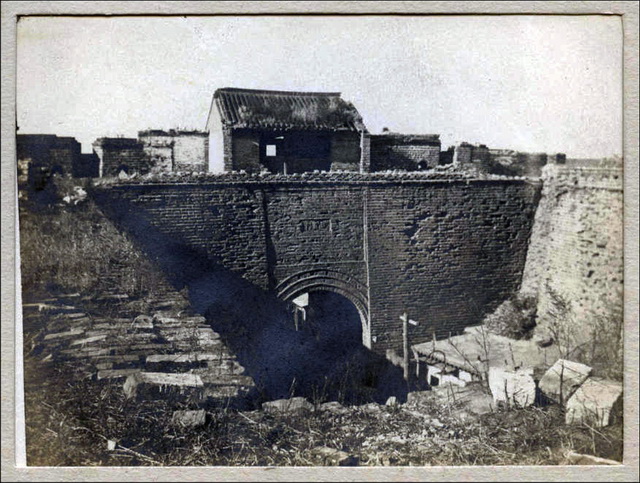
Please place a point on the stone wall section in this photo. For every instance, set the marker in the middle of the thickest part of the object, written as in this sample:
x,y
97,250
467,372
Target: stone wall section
x,y
577,245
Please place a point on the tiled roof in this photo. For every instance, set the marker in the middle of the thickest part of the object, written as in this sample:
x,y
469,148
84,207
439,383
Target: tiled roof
x,y
283,110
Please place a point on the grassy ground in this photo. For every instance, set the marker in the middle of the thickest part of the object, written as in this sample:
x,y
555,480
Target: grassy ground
x,y
71,423
70,420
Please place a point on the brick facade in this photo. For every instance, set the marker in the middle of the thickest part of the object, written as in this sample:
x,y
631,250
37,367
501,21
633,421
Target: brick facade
x,y
445,250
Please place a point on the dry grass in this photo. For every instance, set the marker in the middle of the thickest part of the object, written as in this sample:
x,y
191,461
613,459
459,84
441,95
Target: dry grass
x,y
70,419
75,248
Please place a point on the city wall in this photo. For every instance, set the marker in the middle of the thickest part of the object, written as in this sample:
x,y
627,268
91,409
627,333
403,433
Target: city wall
x,y
446,249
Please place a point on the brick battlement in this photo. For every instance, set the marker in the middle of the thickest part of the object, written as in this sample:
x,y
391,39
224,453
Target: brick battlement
x,y
582,177
333,177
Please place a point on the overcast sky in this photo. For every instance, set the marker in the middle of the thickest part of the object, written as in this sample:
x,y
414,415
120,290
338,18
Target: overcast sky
x,y
551,84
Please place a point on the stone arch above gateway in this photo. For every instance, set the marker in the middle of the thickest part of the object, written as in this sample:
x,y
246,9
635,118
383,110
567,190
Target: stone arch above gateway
x,y
314,280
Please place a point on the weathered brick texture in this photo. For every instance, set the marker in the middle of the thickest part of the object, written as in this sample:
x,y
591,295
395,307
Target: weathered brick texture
x,y
577,246
445,250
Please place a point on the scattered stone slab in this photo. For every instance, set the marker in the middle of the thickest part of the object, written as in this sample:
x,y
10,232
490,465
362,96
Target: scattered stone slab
x,y
332,457
513,388
111,297
119,359
586,459
333,407
104,366
143,347
185,358
61,335
80,353
419,398
294,404
77,315
392,401
562,379
116,373
89,340
228,380
142,322
166,318
597,402
144,381
223,392
189,419
225,366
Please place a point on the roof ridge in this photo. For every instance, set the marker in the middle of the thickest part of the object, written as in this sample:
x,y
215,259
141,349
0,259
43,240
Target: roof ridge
x,y
270,92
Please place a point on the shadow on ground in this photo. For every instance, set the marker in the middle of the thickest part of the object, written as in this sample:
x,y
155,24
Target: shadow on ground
x,y
323,361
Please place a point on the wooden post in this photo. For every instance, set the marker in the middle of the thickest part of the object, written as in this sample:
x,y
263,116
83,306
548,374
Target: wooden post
x,y
405,345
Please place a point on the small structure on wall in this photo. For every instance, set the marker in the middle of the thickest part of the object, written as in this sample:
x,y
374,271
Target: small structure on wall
x,y
411,152
155,151
176,150
120,155
42,155
285,132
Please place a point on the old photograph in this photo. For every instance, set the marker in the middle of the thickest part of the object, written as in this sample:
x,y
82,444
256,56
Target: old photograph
x,y
310,241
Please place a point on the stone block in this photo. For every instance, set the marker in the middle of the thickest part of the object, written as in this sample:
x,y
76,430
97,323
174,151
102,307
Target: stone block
x,y
189,419
333,407
161,382
116,373
142,322
562,379
574,458
89,340
61,335
514,388
597,402
295,404
419,398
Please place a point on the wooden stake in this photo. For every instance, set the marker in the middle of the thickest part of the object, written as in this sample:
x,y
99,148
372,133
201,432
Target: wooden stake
x,y
405,344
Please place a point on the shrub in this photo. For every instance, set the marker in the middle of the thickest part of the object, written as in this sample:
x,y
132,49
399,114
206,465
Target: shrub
x,y
514,318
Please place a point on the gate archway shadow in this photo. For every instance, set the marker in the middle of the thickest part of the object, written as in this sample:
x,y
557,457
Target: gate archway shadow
x,y
258,327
